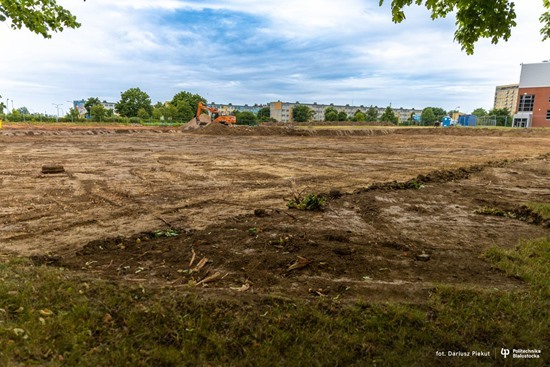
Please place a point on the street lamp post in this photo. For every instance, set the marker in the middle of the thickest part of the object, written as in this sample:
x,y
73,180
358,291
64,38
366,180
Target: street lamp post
x,y
57,107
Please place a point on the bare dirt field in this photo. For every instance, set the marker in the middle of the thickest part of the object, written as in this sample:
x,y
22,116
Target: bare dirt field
x,y
223,192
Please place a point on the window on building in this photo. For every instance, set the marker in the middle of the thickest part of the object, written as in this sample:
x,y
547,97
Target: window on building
x,y
526,103
548,115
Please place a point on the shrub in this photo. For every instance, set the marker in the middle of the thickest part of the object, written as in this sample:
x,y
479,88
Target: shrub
x,y
309,202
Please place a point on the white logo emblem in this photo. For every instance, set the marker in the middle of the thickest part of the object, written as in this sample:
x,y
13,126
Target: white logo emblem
x,y
505,352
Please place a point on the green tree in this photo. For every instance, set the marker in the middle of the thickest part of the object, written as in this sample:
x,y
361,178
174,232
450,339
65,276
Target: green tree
x,y
143,114
474,19
264,114
503,116
246,118
23,111
73,114
15,115
92,101
302,113
372,114
171,112
183,111
187,104
479,112
39,16
331,114
157,113
98,112
359,116
342,116
131,101
439,113
428,116
2,106
389,116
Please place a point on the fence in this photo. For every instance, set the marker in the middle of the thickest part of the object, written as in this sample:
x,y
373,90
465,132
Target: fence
x,y
494,121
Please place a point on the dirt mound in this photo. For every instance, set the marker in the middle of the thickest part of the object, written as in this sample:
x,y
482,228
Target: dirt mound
x,y
219,129
472,131
287,130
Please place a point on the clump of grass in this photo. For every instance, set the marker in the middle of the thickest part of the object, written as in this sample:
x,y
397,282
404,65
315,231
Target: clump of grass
x,y
166,233
529,261
308,202
540,208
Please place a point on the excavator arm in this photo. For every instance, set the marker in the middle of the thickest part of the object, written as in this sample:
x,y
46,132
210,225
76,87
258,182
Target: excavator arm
x,y
213,116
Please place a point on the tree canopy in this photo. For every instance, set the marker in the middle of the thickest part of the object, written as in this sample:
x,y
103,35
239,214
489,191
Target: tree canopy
x,y
131,101
92,101
428,116
39,16
187,104
389,116
438,112
98,112
2,106
359,116
246,118
479,112
264,114
331,114
372,114
302,113
474,19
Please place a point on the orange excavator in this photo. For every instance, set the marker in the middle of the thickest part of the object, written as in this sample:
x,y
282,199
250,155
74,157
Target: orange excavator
x,y
213,116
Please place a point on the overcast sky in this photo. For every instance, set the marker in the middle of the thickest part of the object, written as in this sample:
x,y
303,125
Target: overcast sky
x,y
246,51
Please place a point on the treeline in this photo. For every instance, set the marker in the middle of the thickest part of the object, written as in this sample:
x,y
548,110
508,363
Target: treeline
x,y
134,107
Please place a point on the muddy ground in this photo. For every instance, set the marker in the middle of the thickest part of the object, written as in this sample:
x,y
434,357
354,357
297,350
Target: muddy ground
x,y
207,210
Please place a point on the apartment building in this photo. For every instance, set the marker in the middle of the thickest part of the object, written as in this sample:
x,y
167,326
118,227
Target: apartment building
x,y
282,111
506,96
228,109
533,107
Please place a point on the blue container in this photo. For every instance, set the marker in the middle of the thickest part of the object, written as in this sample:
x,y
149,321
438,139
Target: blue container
x,y
446,121
467,120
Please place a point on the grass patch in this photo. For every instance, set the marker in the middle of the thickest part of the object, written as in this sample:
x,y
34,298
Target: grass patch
x,y
541,209
307,202
166,233
52,317
534,213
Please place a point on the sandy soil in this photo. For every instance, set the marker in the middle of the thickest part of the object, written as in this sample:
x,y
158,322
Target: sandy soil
x,y
224,190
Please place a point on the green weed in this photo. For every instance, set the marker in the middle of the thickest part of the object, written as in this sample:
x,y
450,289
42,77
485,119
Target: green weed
x,y
540,208
166,233
308,202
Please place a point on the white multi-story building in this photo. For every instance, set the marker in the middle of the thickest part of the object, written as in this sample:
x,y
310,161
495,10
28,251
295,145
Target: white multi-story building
x,y
227,109
282,111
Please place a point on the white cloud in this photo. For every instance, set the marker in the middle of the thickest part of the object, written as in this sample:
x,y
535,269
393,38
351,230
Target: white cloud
x,y
324,51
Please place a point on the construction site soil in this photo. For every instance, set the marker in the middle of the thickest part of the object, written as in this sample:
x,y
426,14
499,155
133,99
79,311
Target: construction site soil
x,y
205,211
